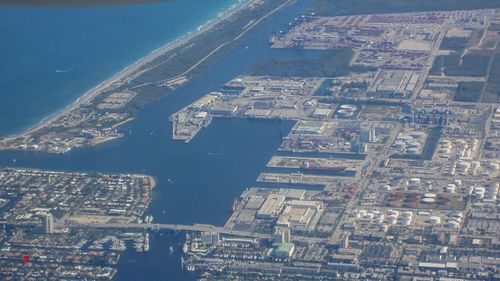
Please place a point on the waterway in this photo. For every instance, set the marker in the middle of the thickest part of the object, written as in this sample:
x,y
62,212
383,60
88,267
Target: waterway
x,y
51,56
196,182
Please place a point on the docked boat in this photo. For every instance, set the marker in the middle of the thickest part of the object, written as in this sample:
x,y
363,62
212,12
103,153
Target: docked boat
x,y
306,166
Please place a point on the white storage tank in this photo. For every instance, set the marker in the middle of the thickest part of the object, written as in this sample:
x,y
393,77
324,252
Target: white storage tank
x,y
445,143
428,200
399,144
446,151
392,220
418,134
414,144
405,137
463,165
480,189
394,213
433,220
406,214
413,150
430,195
345,113
406,222
478,194
415,180
348,107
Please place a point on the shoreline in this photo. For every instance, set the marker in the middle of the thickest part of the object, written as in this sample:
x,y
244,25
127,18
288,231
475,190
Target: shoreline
x,y
121,76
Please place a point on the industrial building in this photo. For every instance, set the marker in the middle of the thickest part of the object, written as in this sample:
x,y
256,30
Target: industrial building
x,y
272,207
48,224
299,215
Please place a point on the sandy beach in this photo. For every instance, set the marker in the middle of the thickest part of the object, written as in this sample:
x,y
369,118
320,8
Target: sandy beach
x,y
130,70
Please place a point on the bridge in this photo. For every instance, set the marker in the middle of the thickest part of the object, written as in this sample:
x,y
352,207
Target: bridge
x,y
193,228
175,227
182,227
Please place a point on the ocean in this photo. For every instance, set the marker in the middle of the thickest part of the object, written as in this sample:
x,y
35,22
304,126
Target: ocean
x,y
196,182
51,56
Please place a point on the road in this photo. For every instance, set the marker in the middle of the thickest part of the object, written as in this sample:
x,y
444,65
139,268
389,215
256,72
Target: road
x,y
177,227
246,29
192,228
373,161
427,68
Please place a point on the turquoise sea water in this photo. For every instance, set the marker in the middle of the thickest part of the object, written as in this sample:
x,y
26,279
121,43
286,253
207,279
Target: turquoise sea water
x,y
51,56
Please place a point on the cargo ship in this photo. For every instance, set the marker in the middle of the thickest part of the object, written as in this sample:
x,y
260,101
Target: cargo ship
x,y
308,166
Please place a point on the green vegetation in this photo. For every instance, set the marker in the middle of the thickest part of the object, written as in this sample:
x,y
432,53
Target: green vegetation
x,y
334,7
473,64
148,94
469,91
180,59
494,26
330,64
356,85
488,44
454,44
492,91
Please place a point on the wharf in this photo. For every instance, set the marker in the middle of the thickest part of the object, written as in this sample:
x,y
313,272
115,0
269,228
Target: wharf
x,y
312,164
297,178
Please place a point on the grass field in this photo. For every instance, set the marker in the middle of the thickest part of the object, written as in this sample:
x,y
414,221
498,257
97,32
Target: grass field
x,y
330,63
335,7
474,64
183,57
492,90
469,91
454,44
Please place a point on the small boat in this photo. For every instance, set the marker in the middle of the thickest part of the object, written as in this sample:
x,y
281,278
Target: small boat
x,y
146,242
171,250
236,205
215,153
65,70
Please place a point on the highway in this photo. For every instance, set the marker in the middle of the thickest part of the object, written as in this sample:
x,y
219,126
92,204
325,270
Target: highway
x,y
245,30
427,68
178,227
373,161
193,228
